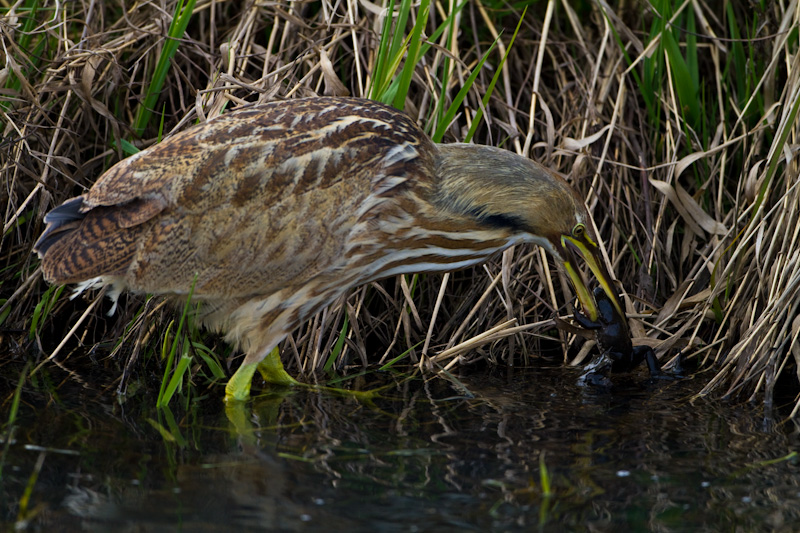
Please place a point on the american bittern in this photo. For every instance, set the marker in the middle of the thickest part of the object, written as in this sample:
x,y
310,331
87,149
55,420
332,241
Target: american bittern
x,y
273,211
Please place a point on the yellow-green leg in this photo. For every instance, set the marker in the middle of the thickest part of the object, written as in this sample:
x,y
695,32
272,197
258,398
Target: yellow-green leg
x,y
271,369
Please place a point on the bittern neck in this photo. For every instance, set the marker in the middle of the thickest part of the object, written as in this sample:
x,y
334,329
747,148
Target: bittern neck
x,y
474,201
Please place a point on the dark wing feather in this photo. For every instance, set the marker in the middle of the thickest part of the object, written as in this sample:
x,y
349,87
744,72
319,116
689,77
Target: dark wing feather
x,y
60,220
98,244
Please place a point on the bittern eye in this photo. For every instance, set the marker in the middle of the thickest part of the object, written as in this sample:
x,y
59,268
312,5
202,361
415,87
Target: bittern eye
x,y
578,230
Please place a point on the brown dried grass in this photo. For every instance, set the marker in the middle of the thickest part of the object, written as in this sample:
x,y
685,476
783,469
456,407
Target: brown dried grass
x,y
704,236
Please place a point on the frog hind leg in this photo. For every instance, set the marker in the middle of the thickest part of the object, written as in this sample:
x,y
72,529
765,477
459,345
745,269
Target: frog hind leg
x,y
647,354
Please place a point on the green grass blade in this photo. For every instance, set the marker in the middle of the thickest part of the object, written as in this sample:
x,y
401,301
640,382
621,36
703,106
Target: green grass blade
x,y
164,432
12,412
777,154
739,58
392,362
544,478
8,428
399,29
412,56
453,109
382,55
682,79
390,54
692,61
384,86
128,148
177,28
210,359
172,426
479,115
337,348
43,308
173,347
26,33
175,380
168,353
389,88
647,91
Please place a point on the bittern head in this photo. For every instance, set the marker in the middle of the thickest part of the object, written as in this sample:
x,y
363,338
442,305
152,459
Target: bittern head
x,y
506,191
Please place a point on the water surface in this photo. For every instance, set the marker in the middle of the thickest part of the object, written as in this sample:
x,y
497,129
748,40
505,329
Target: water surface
x,y
428,455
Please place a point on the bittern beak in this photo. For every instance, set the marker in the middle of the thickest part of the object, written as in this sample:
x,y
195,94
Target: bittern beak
x,y
590,253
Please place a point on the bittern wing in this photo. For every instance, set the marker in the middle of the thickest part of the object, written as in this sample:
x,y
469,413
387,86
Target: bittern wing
x,y
249,202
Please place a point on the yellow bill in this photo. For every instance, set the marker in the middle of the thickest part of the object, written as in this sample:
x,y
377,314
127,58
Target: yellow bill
x,y
590,253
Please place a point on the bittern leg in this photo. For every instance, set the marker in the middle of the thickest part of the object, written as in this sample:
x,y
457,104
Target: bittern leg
x,y
270,368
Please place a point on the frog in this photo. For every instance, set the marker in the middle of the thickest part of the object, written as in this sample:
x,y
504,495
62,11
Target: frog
x,y
613,338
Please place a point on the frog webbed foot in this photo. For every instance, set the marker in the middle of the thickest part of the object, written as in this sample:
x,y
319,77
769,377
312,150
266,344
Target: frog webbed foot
x,y
649,356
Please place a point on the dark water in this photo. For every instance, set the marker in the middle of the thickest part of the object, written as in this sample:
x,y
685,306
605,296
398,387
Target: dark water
x,y
424,457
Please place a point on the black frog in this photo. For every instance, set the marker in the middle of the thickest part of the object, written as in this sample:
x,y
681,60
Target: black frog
x,y
613,337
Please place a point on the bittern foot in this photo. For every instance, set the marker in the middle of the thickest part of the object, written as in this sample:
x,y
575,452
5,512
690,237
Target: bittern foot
x,y
271,369
238,387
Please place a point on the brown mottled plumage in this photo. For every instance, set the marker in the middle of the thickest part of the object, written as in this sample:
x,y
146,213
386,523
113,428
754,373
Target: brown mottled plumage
x,y
278,209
